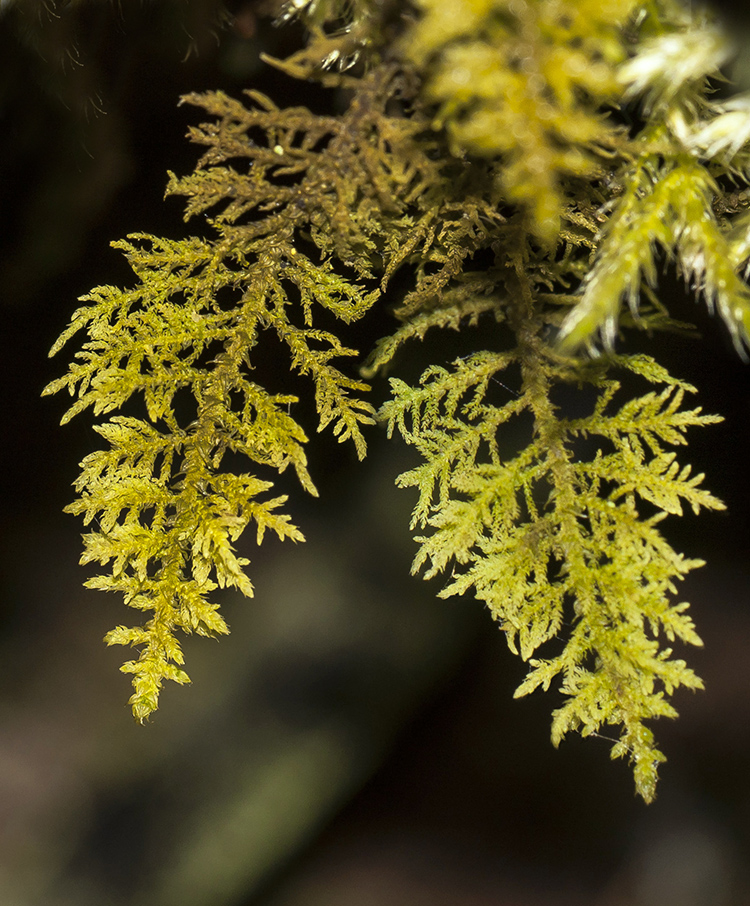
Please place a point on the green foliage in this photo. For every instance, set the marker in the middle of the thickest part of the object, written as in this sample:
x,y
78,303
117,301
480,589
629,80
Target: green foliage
x,y
552,536
527,81
669,188
486,150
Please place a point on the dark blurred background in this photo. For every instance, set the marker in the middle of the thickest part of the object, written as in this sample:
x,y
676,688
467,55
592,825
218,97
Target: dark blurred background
x,y
355,740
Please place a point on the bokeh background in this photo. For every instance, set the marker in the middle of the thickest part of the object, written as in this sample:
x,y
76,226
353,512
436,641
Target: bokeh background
x,y
354,742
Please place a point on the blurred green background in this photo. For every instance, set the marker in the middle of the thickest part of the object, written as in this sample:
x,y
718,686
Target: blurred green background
x,y
354,741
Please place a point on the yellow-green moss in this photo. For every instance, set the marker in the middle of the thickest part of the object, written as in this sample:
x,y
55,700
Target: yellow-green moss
x,y
521,162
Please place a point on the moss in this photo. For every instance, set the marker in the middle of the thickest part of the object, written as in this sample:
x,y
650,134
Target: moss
x,y
521,163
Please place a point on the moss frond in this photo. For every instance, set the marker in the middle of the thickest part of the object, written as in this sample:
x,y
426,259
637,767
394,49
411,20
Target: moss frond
x,y
525,83
168,510
559,544
670,173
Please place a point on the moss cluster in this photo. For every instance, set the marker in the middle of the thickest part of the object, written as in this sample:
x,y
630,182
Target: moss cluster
x,y
522,162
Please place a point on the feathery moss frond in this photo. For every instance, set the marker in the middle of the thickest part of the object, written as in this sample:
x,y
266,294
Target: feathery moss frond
x,y
668,206
168,511
551,536
526,82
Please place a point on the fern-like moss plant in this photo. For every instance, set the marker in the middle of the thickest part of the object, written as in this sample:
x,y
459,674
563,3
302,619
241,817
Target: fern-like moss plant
x,y
525,164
